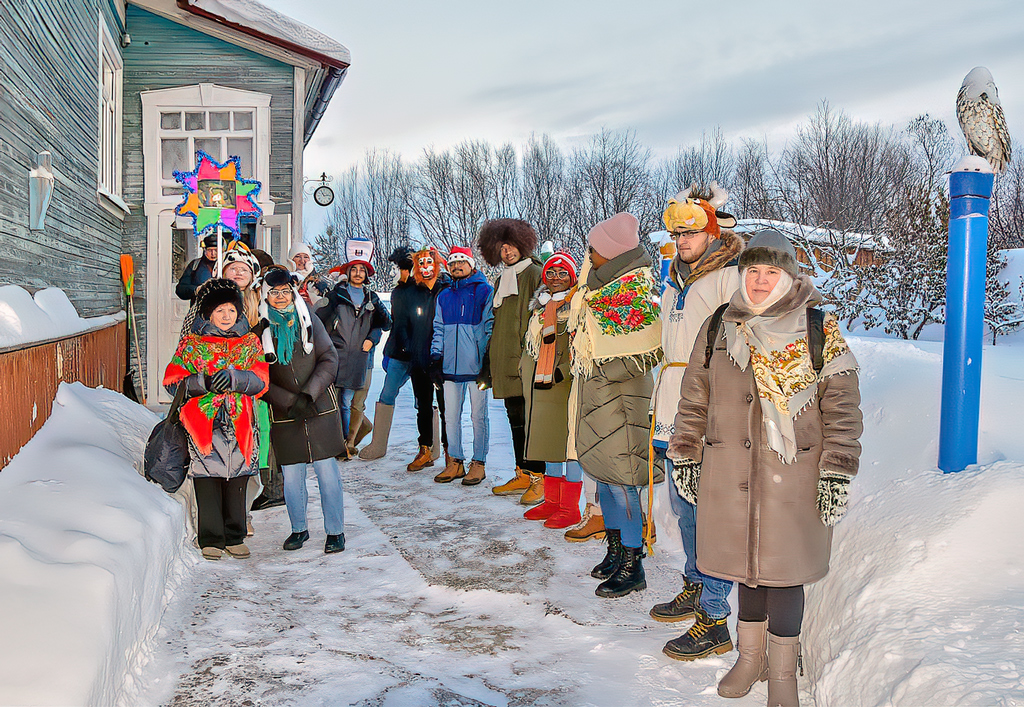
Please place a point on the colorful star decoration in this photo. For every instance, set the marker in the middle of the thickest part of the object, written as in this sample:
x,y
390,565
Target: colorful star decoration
x,y
215,195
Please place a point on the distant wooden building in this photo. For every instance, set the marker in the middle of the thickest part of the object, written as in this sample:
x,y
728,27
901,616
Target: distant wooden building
x,y
121,94
819,245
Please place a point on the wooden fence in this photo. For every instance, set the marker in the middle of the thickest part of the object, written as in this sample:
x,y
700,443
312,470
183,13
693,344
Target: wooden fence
x,y
29,377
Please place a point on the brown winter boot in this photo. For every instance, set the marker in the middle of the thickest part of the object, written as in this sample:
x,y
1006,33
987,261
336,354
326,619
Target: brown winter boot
x,y
365,428
535,493
752,665
453,471
516,485
590,527
378,445
476,474
783,656
422,460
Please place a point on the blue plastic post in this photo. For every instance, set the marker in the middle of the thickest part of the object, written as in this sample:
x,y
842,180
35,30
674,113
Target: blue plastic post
x,y
969,194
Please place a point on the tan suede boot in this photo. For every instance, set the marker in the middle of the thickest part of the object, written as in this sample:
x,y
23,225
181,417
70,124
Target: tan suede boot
x,y
422,460
475,475
535,493
516,485
783,655
378,445
453,471
590,527
752,665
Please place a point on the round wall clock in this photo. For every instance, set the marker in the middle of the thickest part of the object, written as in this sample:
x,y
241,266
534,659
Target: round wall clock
x,y
323,195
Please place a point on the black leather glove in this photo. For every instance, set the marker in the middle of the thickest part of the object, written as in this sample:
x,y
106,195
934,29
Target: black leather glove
x,y
558,376
219,382
303,407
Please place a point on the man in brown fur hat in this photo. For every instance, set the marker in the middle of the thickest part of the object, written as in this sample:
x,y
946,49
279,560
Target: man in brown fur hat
x,y
511,242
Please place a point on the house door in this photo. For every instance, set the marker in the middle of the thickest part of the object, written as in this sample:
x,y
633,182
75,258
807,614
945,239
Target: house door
x,y
274,235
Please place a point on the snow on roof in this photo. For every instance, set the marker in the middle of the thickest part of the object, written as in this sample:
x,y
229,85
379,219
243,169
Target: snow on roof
x,y
270,23
823,236
25,319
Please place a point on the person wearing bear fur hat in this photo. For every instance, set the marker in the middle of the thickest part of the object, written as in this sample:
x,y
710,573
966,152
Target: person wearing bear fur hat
x,y
511,242
614,315
702,276
221,364
306,421
766,443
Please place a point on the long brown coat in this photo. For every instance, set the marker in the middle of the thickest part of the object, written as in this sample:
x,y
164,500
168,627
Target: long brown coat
x,y
547,410
757,519
510,322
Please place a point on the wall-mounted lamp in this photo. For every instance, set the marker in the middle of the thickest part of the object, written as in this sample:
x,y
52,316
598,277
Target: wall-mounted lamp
x,y
40,190
126,40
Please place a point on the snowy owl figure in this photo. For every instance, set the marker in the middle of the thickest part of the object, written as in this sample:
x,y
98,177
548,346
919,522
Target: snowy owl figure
x,y
981,118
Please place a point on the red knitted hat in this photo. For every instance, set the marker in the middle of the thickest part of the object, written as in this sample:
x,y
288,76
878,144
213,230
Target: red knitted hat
x,y
461,252
559,259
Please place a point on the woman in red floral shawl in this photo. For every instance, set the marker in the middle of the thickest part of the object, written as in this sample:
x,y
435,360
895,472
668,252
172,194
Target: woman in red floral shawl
x,y
221,363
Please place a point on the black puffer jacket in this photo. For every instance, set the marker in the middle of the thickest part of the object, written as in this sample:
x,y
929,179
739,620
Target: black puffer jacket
x,y
349,327
413,329
318,436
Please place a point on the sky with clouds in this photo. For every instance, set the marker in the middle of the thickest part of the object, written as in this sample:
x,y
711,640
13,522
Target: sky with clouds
x,y
436,73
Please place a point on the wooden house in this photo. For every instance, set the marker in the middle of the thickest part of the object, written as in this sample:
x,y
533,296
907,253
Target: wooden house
x,y
122,93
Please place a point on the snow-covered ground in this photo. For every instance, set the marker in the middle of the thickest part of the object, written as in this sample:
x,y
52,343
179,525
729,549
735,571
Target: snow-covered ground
x,y
447,596
25,318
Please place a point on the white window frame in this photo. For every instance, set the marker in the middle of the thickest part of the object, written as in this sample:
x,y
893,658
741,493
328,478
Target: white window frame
x,y
111,121
206,98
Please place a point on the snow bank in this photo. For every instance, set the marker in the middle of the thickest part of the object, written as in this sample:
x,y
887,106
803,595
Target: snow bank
x,y
924,603
25,319
90,551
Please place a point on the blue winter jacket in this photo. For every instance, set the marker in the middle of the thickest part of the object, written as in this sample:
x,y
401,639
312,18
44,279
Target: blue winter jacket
x,y
463,321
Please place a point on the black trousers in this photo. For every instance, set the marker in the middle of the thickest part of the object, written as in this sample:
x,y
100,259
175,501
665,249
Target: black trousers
x,y
782,606
425,393
221,505
515,408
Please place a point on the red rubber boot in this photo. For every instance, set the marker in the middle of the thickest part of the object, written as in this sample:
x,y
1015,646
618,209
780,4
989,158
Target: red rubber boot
x,y
552,490
568,512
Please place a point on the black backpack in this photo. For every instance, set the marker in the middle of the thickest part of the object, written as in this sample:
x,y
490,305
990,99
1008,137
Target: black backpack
x,y
815,336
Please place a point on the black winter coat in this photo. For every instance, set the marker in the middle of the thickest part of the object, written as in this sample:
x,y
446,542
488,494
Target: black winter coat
x,y
412,309
319,436
196,273
349,328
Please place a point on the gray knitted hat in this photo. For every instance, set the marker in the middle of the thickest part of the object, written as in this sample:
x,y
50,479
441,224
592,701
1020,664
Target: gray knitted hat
x,y
769,247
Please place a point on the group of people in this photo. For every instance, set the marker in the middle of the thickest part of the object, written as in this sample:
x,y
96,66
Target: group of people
x,y
723,378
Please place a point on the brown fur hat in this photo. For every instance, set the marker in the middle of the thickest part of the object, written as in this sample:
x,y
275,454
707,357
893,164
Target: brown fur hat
x,y
496,232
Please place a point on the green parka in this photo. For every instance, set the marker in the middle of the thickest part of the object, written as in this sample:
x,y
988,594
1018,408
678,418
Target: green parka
x,y
511,317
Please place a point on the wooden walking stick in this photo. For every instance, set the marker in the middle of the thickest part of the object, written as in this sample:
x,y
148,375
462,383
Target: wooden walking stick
x,y
128,279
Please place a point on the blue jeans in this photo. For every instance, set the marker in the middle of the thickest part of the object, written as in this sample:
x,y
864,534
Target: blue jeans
x,y
714,598
345,396
573,470
621,508
332,496
397,376
454,397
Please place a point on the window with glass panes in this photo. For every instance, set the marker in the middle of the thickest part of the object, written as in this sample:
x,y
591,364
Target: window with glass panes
x,y
220,133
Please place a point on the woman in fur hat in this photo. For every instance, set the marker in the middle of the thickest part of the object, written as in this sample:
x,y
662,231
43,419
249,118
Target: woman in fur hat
x,y
765,444
511,242
306,421
221,363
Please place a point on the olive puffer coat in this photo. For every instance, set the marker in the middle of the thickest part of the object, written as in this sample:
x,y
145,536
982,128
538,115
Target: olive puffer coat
x,y
547,409
757,518
614,425
349,326
511,318
319,436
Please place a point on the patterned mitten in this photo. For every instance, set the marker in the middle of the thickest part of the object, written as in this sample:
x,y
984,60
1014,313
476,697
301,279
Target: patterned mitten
x,y
686,477
833,492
